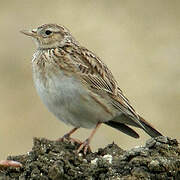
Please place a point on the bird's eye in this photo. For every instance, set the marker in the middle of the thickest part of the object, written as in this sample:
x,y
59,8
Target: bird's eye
x,y
48,32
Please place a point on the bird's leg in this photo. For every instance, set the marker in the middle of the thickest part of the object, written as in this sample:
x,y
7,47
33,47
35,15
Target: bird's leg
x,y
85,144
67,137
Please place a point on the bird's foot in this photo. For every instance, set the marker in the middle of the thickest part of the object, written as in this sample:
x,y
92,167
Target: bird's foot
x,y
85,147
66,138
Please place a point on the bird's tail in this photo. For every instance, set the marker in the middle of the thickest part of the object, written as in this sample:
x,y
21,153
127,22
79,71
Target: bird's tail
x,y
149,128
123,128
123,122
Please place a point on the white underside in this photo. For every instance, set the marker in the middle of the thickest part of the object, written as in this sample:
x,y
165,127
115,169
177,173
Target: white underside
x,y
69,101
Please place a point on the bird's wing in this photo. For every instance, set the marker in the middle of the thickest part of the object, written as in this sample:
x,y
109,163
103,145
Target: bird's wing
x,y
97,75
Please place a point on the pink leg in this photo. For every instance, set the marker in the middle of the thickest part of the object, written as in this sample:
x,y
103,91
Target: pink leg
x,y
67,136
86,143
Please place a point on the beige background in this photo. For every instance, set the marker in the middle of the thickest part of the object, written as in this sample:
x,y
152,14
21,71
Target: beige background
x,y
138,39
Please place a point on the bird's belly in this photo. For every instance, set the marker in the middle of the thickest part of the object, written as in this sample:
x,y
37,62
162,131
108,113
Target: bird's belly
x,y
70,102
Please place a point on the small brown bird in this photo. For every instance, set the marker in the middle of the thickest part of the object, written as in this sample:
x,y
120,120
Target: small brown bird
x,y
77,87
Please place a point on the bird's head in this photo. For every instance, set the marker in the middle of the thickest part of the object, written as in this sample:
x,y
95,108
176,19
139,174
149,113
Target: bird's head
x,y
50,36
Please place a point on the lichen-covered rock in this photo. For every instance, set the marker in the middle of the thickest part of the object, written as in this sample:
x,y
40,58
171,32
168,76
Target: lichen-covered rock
x,y
53,160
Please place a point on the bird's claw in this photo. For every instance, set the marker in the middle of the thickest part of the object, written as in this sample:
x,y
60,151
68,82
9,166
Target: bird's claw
x,y
85,147
67,138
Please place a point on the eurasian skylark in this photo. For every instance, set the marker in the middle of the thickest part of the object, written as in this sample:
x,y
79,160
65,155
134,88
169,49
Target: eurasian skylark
x,y
77,87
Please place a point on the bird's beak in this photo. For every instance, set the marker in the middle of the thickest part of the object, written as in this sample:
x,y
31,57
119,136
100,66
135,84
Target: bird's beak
x,y
32,33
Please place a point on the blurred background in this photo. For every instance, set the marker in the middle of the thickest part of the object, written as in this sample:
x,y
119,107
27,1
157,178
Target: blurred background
x,y
139,41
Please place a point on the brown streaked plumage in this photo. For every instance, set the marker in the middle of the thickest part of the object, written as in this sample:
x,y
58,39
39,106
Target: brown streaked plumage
x,y
77,87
